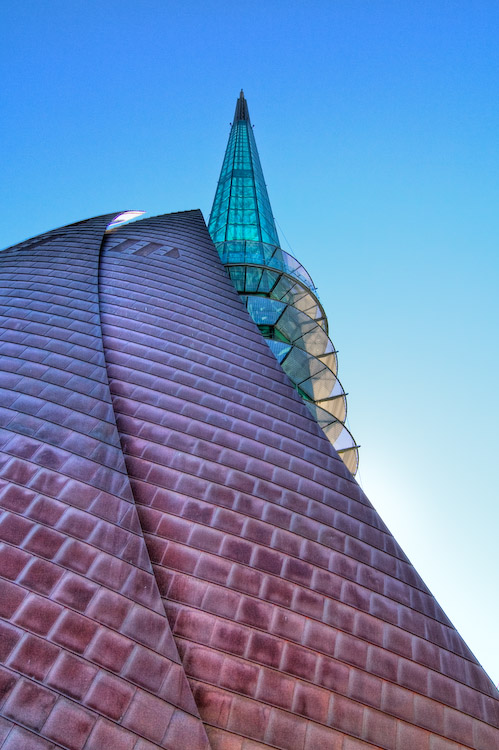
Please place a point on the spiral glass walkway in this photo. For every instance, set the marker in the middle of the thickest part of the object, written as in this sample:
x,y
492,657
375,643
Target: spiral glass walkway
x,y
276,289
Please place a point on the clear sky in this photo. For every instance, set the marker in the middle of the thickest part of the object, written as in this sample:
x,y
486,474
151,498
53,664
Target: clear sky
x,y
377,125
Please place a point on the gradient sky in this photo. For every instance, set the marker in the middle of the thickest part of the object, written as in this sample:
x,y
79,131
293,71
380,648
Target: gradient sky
x,y
376,122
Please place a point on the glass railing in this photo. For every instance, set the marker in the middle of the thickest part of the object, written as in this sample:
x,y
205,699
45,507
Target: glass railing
x,y
281,298
249,252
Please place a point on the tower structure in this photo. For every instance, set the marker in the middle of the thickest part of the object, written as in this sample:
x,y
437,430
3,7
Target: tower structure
x,y
185,560
275,288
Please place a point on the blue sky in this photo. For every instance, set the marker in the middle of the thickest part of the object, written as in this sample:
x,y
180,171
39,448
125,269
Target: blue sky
x,y
377,127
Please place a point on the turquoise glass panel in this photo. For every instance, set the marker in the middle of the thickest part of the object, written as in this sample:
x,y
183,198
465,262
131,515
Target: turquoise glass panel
x,y
263,310
278,348
237,275
267,281
253,276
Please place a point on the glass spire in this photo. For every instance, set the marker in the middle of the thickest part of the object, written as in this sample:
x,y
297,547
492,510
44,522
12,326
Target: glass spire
x,y
277,291
241,209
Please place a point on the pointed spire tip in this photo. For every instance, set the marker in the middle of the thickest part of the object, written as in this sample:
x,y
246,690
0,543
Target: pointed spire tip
x,y
242,112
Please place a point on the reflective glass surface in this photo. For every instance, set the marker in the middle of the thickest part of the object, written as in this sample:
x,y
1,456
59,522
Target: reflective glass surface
x,y
263,254
276,289
241,209
291,325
